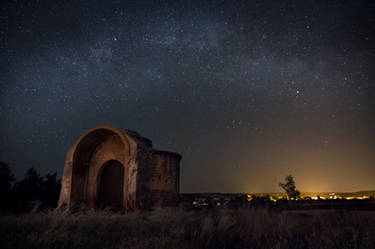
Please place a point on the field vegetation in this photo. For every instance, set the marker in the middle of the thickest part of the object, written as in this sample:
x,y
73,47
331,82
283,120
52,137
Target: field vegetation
x,y
179,228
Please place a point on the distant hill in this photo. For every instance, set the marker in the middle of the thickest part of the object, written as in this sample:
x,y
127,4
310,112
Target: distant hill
x,y
359,193
342,194
280,194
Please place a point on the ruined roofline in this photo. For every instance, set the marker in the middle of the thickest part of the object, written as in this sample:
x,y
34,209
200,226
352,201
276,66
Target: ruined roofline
x,y
166,153
135,135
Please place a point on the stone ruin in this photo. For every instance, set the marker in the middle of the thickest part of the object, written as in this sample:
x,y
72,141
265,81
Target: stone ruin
x,y
118,169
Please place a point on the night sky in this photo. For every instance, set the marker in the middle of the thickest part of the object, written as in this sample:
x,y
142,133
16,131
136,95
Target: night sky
x,y
246,91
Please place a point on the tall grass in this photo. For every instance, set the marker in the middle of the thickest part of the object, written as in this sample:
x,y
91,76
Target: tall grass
x,y
176,228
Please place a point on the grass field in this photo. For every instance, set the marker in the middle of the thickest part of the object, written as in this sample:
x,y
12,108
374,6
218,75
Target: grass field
x,y
176,228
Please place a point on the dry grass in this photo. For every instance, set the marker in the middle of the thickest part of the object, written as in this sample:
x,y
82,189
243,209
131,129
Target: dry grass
x,y
175,228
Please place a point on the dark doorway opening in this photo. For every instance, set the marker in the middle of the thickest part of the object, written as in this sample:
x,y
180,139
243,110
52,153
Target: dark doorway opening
x,y
111,186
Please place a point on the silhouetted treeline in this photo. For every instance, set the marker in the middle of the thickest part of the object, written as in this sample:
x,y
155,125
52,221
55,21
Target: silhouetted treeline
x,y
32,192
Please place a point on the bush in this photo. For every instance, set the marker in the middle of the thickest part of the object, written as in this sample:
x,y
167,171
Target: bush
x,y
27,194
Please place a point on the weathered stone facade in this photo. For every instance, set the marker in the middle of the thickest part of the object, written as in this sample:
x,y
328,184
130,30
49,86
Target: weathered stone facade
x,y
108,167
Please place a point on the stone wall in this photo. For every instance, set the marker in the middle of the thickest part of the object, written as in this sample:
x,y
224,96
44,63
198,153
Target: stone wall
x,y
163,178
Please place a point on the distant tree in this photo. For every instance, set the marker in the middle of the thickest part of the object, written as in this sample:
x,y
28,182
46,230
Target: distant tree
x,y
29,189
33,190
260,201
50,190
239,200
6,177
6,184
210,202
290,188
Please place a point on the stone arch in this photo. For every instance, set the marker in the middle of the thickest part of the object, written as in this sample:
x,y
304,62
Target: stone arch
x,y
85,159
110,185
88,157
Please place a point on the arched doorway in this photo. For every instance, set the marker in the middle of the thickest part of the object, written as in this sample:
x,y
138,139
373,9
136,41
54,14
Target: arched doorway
x,y
111,185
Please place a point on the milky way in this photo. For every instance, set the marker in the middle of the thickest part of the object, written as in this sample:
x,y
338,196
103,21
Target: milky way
x,y
245,91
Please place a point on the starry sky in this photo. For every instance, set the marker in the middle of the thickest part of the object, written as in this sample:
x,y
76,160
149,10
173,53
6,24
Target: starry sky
x,y
246,91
